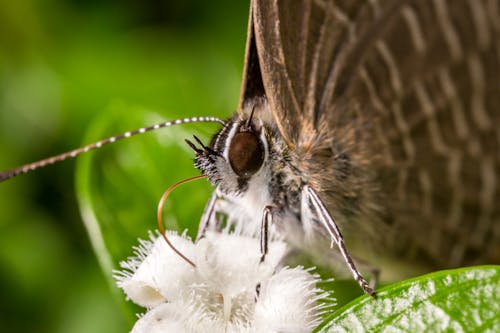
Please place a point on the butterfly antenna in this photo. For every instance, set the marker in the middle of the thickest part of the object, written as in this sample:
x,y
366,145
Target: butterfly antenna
x,y
249,121
159,215
73,153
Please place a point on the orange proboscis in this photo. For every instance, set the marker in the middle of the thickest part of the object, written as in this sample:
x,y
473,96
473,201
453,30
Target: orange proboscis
x,y
160,215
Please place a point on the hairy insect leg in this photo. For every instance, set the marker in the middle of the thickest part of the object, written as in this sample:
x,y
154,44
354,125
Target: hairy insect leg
x,y
208,217
372,270
324,217
352,267
267,218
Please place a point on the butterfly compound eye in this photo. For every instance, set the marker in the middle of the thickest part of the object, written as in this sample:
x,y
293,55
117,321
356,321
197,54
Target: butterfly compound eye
x,y
246,154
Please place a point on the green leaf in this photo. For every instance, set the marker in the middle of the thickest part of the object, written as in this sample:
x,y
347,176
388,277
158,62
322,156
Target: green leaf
x,y
460,300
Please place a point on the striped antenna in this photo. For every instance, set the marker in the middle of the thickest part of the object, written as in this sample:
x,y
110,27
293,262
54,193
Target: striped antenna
x,y
73,153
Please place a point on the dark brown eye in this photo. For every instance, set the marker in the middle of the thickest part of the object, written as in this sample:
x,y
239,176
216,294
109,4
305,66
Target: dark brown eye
x,y
246,154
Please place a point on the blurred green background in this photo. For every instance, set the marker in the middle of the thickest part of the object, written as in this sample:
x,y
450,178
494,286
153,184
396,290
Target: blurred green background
x,y
75,71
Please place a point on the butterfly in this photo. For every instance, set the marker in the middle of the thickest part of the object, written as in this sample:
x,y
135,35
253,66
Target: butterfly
x,y
370,124
379,119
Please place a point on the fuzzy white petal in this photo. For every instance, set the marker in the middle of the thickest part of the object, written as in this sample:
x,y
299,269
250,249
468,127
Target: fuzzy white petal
x,y
174,317
231,263
220,293
289,302
162,272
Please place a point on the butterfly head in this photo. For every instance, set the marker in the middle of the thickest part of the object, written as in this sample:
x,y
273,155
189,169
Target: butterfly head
x,y
236,154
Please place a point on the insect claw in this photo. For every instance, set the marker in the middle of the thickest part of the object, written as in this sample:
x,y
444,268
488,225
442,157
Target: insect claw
x,y
370,291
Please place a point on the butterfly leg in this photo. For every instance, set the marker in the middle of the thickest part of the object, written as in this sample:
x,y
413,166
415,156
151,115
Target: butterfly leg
x,y
324,217
208,217
267,218
372,270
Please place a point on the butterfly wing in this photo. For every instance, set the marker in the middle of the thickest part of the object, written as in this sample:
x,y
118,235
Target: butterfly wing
x,y
431,77
393,110
292,46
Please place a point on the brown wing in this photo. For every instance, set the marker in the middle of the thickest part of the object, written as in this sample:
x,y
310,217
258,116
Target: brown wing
x,y
394,109
295,42
431,76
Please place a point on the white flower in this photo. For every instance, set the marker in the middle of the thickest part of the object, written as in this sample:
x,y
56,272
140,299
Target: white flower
x,y
229,290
